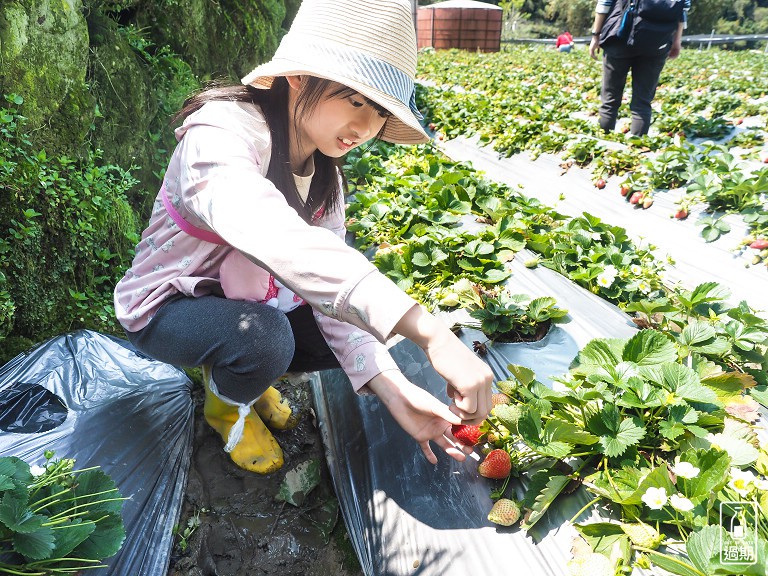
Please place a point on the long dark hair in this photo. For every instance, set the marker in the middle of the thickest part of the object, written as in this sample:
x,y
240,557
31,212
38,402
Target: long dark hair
x,y
329,186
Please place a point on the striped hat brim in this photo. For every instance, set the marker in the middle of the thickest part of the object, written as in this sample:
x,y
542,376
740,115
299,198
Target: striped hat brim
x,y
403,127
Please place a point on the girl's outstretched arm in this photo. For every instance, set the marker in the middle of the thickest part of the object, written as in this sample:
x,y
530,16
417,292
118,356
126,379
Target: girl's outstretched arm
x,y
468,378
417,412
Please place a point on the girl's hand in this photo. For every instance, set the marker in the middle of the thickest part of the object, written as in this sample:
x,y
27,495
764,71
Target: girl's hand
x,y
420,414
468,379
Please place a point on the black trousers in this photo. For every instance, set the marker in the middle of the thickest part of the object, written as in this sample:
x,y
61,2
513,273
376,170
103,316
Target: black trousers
x,y
249,345
618,60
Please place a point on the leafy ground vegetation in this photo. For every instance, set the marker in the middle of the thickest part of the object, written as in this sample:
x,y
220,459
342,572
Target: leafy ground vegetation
x,y
662,428
708,138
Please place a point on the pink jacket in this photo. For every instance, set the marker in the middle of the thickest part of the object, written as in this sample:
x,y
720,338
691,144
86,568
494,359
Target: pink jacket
x,y
216,180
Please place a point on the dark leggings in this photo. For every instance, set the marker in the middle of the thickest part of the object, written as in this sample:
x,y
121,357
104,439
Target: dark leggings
x,y
646,69
248,344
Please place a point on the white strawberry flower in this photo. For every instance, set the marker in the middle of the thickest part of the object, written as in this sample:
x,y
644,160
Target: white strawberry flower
x,y
607,276
636,269
685,470
36,470
681,503
761,484
741,481
655,498
644,287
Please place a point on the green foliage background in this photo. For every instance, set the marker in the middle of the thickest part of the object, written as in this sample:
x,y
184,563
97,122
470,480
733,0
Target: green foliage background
x,y
87,91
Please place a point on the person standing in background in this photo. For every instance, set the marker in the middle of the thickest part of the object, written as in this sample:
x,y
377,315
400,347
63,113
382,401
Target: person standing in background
x,y
636,35
564,42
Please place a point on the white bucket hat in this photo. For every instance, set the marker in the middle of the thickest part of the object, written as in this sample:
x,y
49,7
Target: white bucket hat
x,y
366,45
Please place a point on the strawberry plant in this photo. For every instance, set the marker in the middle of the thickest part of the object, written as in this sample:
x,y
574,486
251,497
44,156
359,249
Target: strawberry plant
x,y
601,258
647,426
514,317
713,228
55,519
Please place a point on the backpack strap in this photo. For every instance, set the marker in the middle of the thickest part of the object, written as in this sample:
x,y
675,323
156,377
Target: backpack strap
x,y
194,231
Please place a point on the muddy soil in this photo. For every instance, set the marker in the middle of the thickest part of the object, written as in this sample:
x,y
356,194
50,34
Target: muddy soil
x,y
232,525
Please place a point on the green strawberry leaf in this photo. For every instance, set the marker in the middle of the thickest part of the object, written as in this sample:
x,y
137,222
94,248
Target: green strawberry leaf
x,y
70,535
16,469
606,538
105,541
6,482
696,332
729,384
97,493
703,547
16,515
649,348
598,353
713,468
618,485
630,432
522,374
35,545
558,430
760,394
543,497
673,564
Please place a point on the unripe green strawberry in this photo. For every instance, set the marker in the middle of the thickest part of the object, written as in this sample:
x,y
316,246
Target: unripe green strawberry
x,y
499,398
504,512
449,300
590,565
642,535
497,465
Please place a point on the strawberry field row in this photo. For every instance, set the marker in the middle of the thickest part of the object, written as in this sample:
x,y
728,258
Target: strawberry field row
x,y
637,420
708,137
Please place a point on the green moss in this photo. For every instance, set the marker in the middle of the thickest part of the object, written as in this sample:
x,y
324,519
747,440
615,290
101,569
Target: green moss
x,y
90,81
343,544
67,234
219,39
43,51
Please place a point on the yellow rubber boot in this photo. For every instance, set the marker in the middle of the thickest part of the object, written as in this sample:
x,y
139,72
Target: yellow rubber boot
x,y
275,410
249,443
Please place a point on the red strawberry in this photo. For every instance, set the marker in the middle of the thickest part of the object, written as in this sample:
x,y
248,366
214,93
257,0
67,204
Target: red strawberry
x,y
432,125
759,244
600,183
467,434
636,197
681,214
497,465
499,398
504,512
625,189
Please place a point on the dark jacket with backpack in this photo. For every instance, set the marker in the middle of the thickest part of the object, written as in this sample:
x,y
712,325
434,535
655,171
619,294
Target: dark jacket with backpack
x,y
646,26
